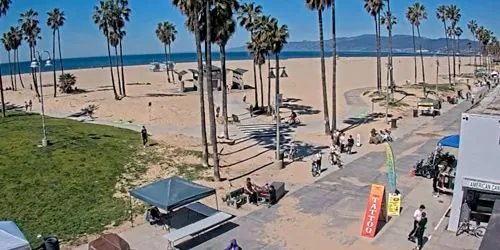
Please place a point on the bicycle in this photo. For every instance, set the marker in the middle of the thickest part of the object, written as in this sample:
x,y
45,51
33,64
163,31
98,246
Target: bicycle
x,y
474,229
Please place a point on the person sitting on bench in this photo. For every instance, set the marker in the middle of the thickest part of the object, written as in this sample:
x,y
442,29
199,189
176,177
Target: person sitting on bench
x,y
153,215
251,191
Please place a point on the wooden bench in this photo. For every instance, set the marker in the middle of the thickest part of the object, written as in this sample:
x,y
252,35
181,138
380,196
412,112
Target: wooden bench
x,y
236,198
196,228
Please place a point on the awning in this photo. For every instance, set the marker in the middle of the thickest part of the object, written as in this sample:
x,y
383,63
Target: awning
x,y
11,237
452,141
171,193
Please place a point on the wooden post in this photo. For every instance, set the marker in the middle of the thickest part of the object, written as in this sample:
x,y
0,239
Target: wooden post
x,y
216,200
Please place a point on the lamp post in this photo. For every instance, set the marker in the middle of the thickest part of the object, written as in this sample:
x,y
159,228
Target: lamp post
x,y
277,104
389,85
36,62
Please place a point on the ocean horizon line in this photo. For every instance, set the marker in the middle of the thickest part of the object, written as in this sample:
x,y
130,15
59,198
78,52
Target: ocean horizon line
x,y
186,57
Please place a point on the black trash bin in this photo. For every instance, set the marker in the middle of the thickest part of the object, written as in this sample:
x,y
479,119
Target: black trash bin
x,y
51,243
415,113
394,123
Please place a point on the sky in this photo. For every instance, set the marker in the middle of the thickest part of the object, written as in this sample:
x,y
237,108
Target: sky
x,y
81,37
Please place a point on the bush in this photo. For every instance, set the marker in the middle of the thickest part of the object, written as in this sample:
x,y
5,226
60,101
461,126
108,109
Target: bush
x,y
66,82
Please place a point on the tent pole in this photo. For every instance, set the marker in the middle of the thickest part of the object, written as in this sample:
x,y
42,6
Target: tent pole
x,y
130,211
216,201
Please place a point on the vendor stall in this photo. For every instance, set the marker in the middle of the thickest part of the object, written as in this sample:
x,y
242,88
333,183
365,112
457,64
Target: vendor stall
x,y
447,171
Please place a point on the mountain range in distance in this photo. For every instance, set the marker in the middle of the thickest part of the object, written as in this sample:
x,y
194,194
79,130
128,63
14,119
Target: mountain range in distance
x,y
367,43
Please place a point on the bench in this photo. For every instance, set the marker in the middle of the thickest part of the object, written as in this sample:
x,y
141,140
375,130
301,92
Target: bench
x,y
236,198
196,228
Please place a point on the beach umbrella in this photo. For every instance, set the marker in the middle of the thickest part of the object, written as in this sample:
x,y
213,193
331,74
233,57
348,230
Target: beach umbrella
x,y
109,241
11,237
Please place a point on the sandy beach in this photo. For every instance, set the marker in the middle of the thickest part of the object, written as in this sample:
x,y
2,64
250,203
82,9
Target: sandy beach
x,y
172,110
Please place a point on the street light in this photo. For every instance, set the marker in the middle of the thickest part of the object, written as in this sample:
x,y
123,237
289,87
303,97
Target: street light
x,y
36,62
277,104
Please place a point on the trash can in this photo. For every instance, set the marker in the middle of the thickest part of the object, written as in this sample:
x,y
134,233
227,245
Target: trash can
x,y
279,163
51,243
415,113
394,123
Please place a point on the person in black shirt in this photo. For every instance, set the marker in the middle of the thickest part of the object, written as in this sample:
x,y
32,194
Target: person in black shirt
x,y
144,135
419,234
350,144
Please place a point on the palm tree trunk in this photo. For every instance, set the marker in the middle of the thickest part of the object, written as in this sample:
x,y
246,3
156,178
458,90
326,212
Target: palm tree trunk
x,y
447,52
454,55
414,53
224,89
379,63
60,52
475,56
118,73
33,74
14,71
170,59
1,94
199,56
166,59
376,47
210,92
334,69
111,71
10,71
458,54
256,99
19,68
422,60
124,84
54,63
278,119
269,87
261,87
326,117
391,70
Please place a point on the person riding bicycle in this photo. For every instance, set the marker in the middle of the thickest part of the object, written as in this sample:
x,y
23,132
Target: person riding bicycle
x,y
292,118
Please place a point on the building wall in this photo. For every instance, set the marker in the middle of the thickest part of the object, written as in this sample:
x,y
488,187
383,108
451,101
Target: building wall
x,y
478,156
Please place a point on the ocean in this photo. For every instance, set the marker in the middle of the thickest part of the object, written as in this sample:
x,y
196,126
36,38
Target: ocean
x,y
128,60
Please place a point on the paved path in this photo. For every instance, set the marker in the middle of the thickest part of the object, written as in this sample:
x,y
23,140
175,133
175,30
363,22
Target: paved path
x,y
343,200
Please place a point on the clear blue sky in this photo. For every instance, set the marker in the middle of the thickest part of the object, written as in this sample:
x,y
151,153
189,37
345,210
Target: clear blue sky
x,y
80,37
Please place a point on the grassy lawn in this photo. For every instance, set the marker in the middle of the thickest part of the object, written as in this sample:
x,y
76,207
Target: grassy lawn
x,y
66,188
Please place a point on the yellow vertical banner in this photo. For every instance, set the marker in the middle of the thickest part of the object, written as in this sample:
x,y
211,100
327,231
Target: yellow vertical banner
x,y
394,205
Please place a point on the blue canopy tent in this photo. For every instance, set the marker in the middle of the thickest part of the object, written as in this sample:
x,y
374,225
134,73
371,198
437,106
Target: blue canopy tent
x,y
171,193
11,237
452,141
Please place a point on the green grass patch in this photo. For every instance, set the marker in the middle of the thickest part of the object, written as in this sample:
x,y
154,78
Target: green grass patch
x,y
66,188
190,171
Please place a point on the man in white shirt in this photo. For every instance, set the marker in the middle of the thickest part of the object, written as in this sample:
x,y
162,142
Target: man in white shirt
x,y
417,216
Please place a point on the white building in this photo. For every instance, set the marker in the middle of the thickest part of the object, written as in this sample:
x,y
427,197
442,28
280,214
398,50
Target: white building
x,y
477,178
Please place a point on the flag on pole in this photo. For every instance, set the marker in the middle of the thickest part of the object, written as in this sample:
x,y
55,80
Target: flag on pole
x,y
391,168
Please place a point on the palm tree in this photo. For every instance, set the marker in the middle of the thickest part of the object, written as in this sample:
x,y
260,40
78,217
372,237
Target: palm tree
x,y
224,27
7,43
442,16
320,6
261,47
374,7
165,31
192,10
472,26
334,68
55,21
120,15
17,38
418,14
247,15
31,32
114,41
102,17
453,14
410,12
4,6
458,33
389,21
278,37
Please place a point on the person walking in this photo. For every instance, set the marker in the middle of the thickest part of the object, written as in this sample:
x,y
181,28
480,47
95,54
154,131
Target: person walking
x,y
350,144
419,234
417,216
30,104
144,135
233,245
